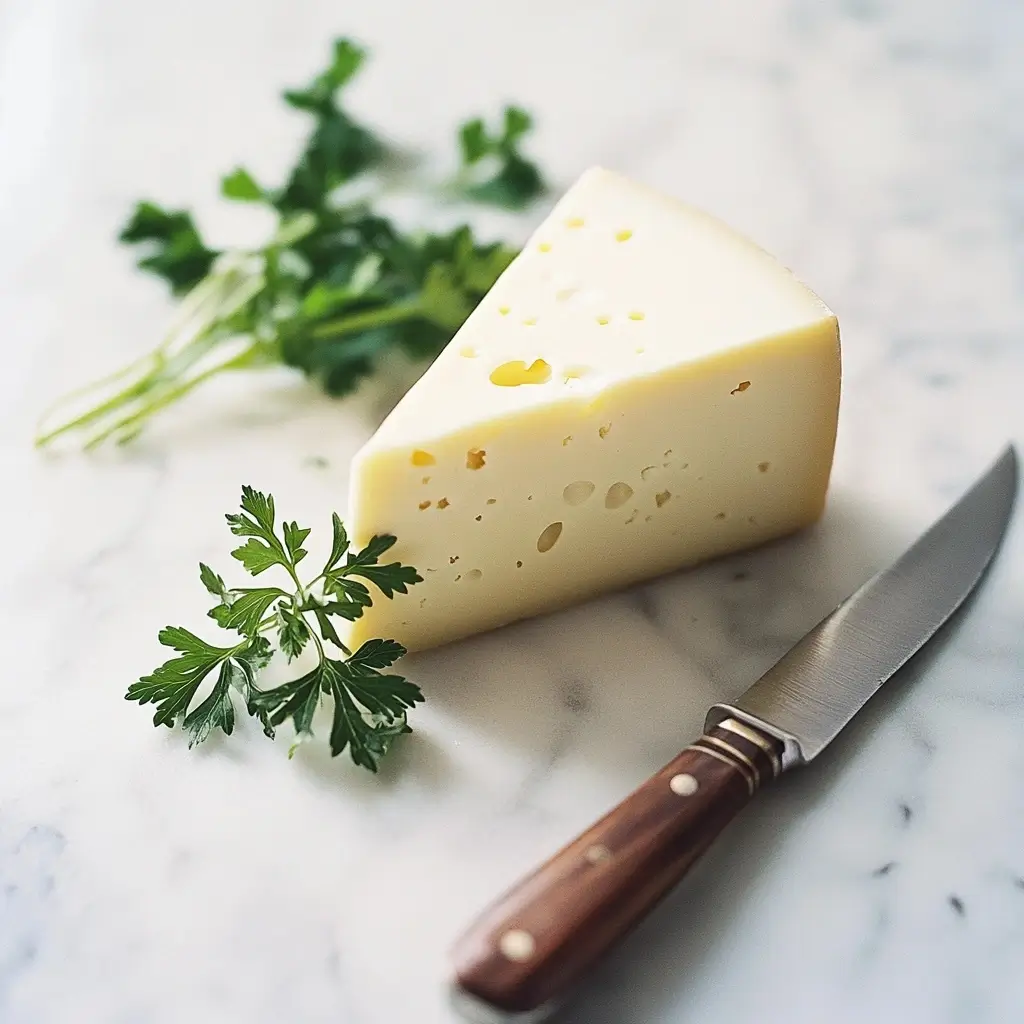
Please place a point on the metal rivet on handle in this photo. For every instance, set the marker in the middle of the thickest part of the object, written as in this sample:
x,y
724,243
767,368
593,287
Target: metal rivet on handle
x,y
683,784
517,945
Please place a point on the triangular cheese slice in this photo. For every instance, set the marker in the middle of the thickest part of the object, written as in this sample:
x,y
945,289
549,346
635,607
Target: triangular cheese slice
x,y
641,390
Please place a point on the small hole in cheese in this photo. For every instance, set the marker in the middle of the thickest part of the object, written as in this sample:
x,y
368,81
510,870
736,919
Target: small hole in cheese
x,y
661,497
425,480
479,518
578,492
492,501
443,503
763,467
566,440
424,505
719,515
519,565
515,372
549,536
618,494
624,235
422,458
646,472
604,431
474,574
742,386
475,458
453,559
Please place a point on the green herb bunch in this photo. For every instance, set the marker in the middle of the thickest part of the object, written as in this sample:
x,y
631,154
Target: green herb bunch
x,y
369,706
336,287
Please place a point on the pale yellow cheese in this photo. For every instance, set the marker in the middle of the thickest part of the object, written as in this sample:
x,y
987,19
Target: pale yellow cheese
x,y
641,390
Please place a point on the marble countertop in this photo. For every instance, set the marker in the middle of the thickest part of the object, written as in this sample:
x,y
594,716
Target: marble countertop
x,y
876,147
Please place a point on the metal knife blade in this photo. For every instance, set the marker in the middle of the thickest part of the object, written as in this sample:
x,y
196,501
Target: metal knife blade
x,y
528,950
807,697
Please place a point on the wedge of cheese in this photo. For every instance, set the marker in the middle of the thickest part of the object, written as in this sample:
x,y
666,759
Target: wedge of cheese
x,y
641,390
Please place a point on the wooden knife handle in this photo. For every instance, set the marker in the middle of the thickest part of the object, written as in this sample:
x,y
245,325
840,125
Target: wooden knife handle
x,y
532,945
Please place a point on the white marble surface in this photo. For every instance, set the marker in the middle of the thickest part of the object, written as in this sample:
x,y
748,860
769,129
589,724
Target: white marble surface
x,y
877,148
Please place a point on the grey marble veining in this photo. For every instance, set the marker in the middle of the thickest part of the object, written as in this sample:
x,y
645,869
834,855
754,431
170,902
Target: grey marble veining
x,y
877,148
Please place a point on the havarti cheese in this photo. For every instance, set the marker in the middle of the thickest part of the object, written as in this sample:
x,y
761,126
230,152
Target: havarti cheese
x,y
641,390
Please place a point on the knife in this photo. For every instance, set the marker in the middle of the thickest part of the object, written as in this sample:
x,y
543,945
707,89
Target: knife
x,y
530,948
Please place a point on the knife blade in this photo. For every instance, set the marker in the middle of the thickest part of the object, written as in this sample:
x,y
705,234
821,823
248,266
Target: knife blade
x,y
532,946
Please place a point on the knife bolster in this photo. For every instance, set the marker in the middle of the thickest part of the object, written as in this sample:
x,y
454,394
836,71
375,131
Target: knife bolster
x,y
786,744
757,755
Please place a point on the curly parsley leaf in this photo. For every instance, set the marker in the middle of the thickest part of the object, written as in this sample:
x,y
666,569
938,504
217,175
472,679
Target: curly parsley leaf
x,y
174,684
296,700
375,654
294,536
241,186
213,583
351,599
339,542
243,610
264,548
320,94
292,631
338,148
384,697
393,578
369,705
327,630
174,247
492,164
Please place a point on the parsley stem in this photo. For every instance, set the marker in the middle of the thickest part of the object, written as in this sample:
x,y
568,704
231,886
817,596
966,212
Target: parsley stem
x,y
149,358
194,333
368,319
123,426
301,595
321,653
136,390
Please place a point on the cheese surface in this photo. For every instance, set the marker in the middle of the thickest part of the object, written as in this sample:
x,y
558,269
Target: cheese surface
x,y
641,390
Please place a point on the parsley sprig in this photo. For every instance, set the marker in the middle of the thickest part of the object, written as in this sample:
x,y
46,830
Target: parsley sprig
x,y
336,287
493,169
369,706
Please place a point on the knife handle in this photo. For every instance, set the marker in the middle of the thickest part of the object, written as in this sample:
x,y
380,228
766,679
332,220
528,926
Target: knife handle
x,y
534,943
